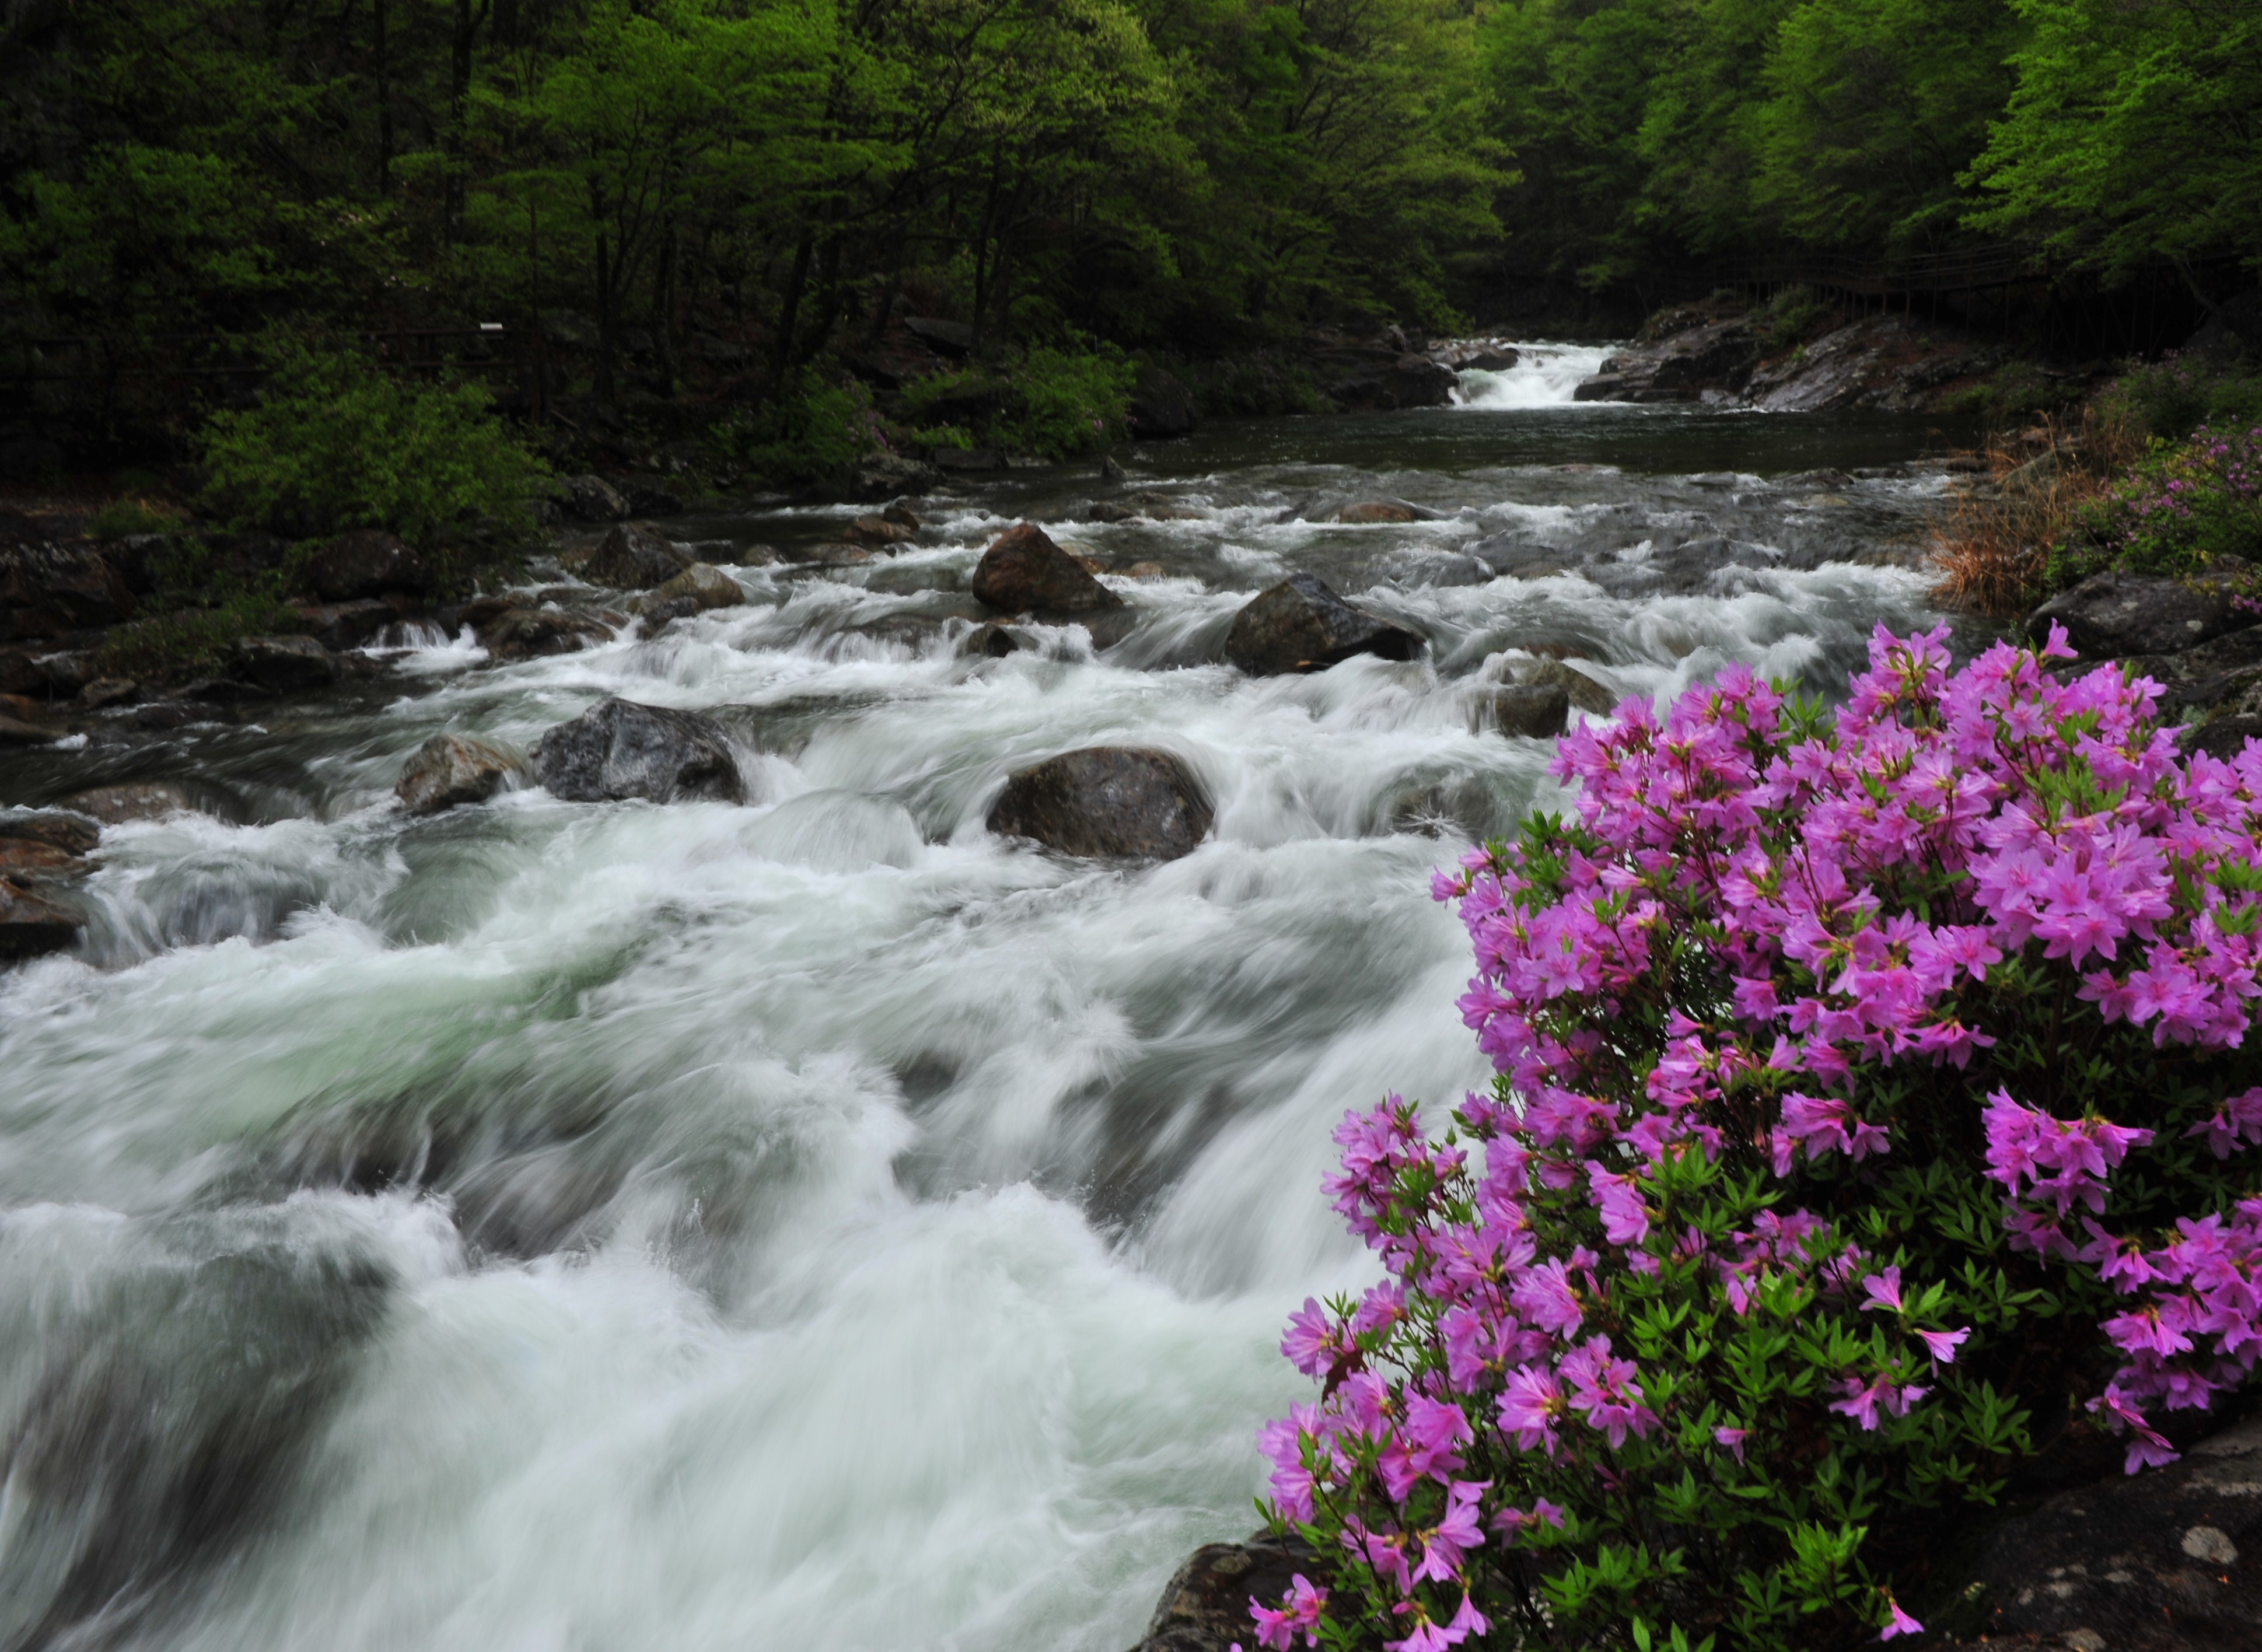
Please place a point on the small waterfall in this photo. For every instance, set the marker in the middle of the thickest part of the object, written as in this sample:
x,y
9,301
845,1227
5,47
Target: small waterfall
x,y
1544,376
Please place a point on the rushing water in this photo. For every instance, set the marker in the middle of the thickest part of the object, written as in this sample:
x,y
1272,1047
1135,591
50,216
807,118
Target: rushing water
x,y
563,1228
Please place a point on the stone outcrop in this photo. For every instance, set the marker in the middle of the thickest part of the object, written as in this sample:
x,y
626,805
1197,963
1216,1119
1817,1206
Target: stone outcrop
x,y
47,590
366,562
1024,572
2169,1560
1679,366
699,587
1301,625
633,557
283,665
449,770
2118,614
1582,691
1205,1606
591,498
1107,801
619,749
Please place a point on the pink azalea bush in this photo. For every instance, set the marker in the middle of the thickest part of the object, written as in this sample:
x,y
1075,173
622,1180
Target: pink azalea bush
x,y
1873,1102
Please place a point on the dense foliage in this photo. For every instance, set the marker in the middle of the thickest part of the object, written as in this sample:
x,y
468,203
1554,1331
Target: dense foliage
x,y
1874,1105
2179,507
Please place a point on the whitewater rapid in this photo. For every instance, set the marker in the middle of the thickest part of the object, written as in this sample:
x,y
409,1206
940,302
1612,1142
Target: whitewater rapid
x,y
558,1227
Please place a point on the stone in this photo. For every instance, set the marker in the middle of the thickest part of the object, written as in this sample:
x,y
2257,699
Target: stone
x,y
1368,511
283,665
877,530
452,769
538,633
15,733
591,498
47,590
945,338
1537,711
1161,407
135,801
619,749
633,557
109,691
31,924
68,831
366,562
2114,614
23,856
2154,1562
1146,570
880,475
1301,625
2222,737
1023,571
1678,366
339,626
647,498
1112,802
1205,1606
901,516
702,586
1584,692
1408,381
828,555
990,641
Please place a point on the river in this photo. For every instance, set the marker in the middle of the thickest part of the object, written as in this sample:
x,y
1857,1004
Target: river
x,y
561,1228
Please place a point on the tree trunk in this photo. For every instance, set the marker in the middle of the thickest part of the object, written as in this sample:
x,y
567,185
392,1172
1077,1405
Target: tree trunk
x,y
605,328
790,313
469,18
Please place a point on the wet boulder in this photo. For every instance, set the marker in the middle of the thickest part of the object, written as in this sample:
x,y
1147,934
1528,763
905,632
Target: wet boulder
x,y
1404,381
697,588
452,769
591,498
2115,614
1537,711
339,626
633,557
1301,625
619,749
990,641
531,633
64,830
1025,572
1161,406
47,590
1373,511
877,530
1678,366
1112,802
1582,691
27,857
31,924
366,562
1205,1606
283,665
881,476
2169,1560
17,731
2223,737
136,799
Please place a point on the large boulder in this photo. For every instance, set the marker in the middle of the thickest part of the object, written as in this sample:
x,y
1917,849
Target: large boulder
x,y
2114,614
46,590
1205,1606
339,626
1582,691
2166,1561
619,749
1537,711
1107,801
1679,366
1400,381
452,769
530,632
591,498
31,924
1024,572
633,557
66,829
283,665
136,799
1301,625
1161,406
366,562
697,588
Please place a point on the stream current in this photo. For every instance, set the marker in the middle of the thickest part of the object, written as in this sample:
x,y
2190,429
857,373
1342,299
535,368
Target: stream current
x,y
557,1227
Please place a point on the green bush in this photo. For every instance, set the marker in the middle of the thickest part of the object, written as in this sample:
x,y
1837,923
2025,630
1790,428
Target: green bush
x,y
2181,506
1788,317
1053,404
811,436
191,641
335,443
2172,397
122,518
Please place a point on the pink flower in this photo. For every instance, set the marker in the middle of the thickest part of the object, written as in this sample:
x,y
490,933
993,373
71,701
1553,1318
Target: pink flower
x,y
1943,1343
1299,1611
1530,1405
1883,1290
1900,1622
1732,1438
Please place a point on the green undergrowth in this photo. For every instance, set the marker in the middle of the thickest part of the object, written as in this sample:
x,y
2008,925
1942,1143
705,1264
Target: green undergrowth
x,y
192,641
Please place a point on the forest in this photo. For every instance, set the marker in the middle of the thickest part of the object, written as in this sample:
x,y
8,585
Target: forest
x,y
744,193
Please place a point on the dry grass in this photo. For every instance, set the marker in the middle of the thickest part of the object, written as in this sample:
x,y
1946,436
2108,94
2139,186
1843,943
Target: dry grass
x,y
1993,544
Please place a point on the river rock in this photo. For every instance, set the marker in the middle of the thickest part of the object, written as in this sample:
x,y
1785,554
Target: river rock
x,y
1582,691
2223,737
2169,1560
1406,380
1367,511
47,590
2114,614
23,856
1205,1606
1301,625
619,749
71,832
880,475
1678,367
1537,711
283,665
14,731
30,924
1107,801
633,557
877,530
452,769
537,633
646,496
1161,406
990,641
591,498
366,562
702,586
132,801
1023,571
